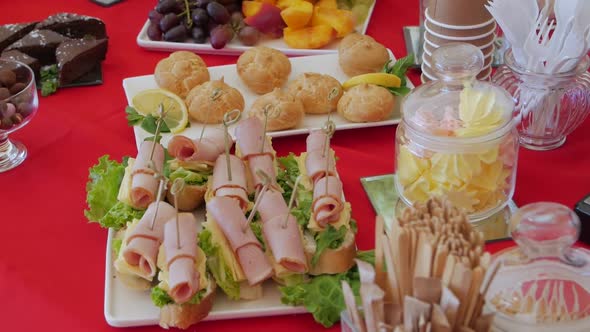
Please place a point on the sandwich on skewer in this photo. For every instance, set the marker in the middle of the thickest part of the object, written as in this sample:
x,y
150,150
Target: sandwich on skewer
x,y
229,180
235,256
186,291
135,263
143,184
193,162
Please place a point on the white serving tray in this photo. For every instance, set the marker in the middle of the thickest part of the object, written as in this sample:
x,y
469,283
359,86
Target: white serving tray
x,y
125,307
236,48
324,64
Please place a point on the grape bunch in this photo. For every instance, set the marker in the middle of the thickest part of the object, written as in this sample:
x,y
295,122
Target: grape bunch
x,y
197,20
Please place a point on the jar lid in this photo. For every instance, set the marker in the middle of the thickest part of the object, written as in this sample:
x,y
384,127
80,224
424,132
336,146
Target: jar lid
x,y
544,282
457,106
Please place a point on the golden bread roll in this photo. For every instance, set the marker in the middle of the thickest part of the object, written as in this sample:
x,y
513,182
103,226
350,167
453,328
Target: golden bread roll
x,y
180,72
208,102
361,54
318,93
262,69
284,111
366,103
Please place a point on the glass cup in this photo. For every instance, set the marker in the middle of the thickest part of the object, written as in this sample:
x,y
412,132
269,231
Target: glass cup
x,y
18,105
548,106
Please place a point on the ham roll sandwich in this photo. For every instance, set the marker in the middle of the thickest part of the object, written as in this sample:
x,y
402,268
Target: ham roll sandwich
x,y
328,230
193,162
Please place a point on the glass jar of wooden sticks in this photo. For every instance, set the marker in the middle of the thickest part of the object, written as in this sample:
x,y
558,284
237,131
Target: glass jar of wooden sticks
x,y
428,275
457,137
543,284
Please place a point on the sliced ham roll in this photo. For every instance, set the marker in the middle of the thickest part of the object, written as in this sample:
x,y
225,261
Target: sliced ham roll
x,y
231,220
316,140
316,162
327,205
283,239
143,183
181,252
249,138
207,149
237,187
143,242
265,164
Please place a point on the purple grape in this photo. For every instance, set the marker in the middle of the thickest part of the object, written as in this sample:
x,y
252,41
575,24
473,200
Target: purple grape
x,y
199,35
226,2
211,25
220,36
169,21
234,8
167,6
237,18
154,32
155,16
218,13
200,17
176,34
202,3
248,35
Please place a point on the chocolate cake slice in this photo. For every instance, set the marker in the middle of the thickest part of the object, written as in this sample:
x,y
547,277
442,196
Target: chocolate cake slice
x,y
40,44
9,33
74,25
17,55
76,57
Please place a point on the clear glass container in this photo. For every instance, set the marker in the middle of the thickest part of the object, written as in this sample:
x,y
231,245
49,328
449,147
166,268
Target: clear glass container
x,y
17,108
457,137
548,106
543,284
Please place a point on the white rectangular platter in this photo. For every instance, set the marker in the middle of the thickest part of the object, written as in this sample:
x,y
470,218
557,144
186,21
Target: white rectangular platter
x,y
235,47
324,64
125,307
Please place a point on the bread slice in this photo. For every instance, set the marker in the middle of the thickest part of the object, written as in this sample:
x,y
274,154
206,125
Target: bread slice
x,y
190,198
331,261
184,315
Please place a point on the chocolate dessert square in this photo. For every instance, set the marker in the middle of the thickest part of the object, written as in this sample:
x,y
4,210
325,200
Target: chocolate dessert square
x,y
40,44
74,25
9,33
17,55
76,57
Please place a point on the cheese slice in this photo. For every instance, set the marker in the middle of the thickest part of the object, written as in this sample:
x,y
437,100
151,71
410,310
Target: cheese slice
x,y
200,265
124,195
218,239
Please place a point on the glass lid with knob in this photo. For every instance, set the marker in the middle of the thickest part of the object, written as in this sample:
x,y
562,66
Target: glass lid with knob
x,y
544,283
457,105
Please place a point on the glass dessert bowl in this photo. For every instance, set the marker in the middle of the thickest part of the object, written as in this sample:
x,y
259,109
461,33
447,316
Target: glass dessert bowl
x,y
18,105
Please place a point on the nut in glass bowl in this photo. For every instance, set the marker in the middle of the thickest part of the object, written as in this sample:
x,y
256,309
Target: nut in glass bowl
x,y
18,105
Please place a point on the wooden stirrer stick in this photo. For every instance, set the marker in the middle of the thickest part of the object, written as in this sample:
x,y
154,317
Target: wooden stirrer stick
x,y
266,180
176,189
292,200
229,118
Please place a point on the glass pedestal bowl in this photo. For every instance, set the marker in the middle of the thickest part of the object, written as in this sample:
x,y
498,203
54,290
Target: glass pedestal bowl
x,y
18,105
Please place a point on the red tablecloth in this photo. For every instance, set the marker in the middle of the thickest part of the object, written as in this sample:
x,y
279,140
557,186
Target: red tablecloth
x,y
52,260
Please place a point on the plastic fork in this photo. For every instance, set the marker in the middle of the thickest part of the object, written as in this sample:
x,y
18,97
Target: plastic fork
x,y
537,42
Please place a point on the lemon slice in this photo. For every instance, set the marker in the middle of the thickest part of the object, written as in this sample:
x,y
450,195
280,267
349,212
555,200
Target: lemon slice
x,y
382,79
148,102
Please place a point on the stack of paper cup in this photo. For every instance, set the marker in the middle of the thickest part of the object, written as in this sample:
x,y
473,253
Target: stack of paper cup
x,y
458,21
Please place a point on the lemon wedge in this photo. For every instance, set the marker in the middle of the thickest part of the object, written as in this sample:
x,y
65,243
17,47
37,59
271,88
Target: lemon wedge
x,y
147,102
382,79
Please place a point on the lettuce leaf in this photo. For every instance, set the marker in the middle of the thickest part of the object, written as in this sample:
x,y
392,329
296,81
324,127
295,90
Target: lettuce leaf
x,y
256,226
302,212
329,238
189,177
102,188
119,215
160,298
218,267
288,174
322,296
117,246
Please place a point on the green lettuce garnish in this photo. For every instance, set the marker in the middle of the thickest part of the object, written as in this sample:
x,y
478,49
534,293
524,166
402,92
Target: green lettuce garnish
x,y
189,177
256,226
329,238
302,212
287,175
119,215
117,246
399,69
322,296
160,298
217,266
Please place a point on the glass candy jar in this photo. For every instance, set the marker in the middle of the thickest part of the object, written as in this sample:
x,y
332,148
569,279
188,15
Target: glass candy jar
x,y
548,106
543,284
457,137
